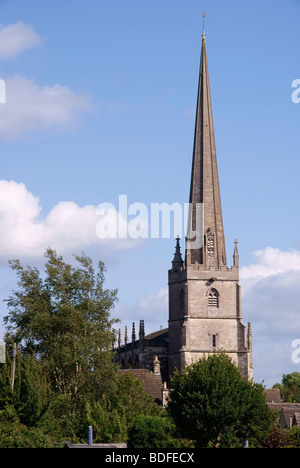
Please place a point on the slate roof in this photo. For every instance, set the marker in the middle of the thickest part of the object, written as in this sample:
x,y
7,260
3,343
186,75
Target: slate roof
x,y
273,395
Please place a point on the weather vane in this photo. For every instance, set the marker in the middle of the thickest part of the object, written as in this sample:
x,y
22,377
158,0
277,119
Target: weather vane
x,y
203,22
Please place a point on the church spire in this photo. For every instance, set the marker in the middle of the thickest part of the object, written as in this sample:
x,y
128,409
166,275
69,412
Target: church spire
x,y
177,261
205,235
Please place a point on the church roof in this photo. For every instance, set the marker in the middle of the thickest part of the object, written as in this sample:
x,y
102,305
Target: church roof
x,y
152,382
273,395
160,334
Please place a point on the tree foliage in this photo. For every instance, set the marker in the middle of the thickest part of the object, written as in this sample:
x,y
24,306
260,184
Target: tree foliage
x,y
63,319
151,432
290,387
212,404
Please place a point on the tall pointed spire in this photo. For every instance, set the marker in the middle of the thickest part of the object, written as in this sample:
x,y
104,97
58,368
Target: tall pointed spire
x,y
205,236
177,261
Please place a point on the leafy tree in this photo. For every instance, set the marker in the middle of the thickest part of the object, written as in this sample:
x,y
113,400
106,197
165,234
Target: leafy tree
x,y
212,404
290,387
62,420
292,437
32,392
113,415
151,432
64,320
130,398
110,417
16,435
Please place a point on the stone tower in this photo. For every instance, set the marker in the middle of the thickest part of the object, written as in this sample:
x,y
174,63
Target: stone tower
x,y
204,294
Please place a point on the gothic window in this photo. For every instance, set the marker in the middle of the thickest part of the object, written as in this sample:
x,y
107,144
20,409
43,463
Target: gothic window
x,y
213,299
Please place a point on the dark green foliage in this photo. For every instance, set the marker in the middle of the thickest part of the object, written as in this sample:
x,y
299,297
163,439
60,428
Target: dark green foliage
x,y
290,387
292,437
211,404
32,392
15,435
151,432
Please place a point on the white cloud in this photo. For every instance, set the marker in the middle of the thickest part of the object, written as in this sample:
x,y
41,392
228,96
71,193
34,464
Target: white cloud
x,y
30,107
153,309
271,301
24,233
17,37
271,261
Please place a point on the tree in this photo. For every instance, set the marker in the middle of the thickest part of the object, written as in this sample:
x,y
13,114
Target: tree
x,y
151,432
64,321
15,435
290,387
32,392
112,417
212,404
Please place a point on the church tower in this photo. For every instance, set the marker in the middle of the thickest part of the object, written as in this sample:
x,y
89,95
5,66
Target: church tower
x,y
204,294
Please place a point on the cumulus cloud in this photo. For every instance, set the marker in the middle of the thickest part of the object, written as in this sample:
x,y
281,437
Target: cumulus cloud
x,y
30,107
17,37
271,302
271,261
25,233
153,309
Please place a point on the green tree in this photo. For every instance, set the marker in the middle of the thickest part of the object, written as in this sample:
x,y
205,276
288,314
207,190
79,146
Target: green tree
x,y
290,387
212,404
63,319
292,437
32,392
15,435
130,398
112,416
151,432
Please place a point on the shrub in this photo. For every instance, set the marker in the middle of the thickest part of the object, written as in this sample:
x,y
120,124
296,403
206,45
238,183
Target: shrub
x,y
151,432
15,435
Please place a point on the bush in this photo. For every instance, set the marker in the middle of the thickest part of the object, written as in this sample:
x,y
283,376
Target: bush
x,y
151,432
15,435
292,437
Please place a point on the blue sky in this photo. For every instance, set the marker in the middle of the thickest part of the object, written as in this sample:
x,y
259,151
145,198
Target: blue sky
x,y
101,102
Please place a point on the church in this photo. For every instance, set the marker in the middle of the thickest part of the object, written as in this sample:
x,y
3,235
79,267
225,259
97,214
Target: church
x,y
205,314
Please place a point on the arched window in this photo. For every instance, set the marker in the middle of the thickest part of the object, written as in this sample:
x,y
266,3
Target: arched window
x,y
213,299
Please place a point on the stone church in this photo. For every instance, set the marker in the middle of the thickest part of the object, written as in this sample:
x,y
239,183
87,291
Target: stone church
x,y
204,293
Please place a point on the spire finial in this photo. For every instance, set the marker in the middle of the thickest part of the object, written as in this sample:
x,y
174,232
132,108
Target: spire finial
x,y
203,22
236,254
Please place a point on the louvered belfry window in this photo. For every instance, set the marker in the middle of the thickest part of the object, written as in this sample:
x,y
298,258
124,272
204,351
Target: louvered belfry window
x,y
213,299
